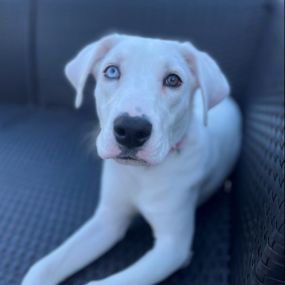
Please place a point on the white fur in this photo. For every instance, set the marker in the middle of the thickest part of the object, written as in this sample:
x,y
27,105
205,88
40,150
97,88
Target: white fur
x,y
170,185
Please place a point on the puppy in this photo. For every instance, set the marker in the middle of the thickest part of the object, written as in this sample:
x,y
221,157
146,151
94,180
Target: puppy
x,y
169,135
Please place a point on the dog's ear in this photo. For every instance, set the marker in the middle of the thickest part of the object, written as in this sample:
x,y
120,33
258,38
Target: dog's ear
x,y
78,69
210,79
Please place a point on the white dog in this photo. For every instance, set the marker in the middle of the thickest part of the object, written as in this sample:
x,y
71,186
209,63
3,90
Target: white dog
x,y
165,152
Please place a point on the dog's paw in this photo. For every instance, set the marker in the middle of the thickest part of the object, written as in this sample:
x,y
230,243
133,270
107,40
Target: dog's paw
x,y
102,282
187,261
37,276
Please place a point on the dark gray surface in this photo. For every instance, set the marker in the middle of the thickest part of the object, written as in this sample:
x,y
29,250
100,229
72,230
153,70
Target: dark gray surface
x,y
15,49
49,187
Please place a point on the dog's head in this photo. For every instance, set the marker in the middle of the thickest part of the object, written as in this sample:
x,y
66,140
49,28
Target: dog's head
x,y
144,89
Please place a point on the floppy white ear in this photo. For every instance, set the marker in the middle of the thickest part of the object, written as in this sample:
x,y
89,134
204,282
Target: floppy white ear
x,y
79,68
212,81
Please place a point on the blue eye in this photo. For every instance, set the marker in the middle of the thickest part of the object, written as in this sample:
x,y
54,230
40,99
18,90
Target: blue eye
x,y
112,72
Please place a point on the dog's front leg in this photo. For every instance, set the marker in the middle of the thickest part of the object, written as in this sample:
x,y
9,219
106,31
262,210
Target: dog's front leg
x,y
171,251
91,241
166,257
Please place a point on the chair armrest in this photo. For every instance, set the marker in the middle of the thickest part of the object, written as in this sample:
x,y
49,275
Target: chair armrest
x,y
258,234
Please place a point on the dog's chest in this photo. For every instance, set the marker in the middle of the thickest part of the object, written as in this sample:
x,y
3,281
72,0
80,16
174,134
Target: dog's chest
x,y
165,186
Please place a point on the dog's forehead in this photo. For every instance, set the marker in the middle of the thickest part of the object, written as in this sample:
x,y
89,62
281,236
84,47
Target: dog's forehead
x,y
145,49
148,43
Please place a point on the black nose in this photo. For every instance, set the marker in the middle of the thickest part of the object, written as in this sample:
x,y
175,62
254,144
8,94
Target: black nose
x,y
132,132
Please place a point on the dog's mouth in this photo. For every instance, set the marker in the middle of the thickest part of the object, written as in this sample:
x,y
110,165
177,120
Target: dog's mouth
x,y
130,160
